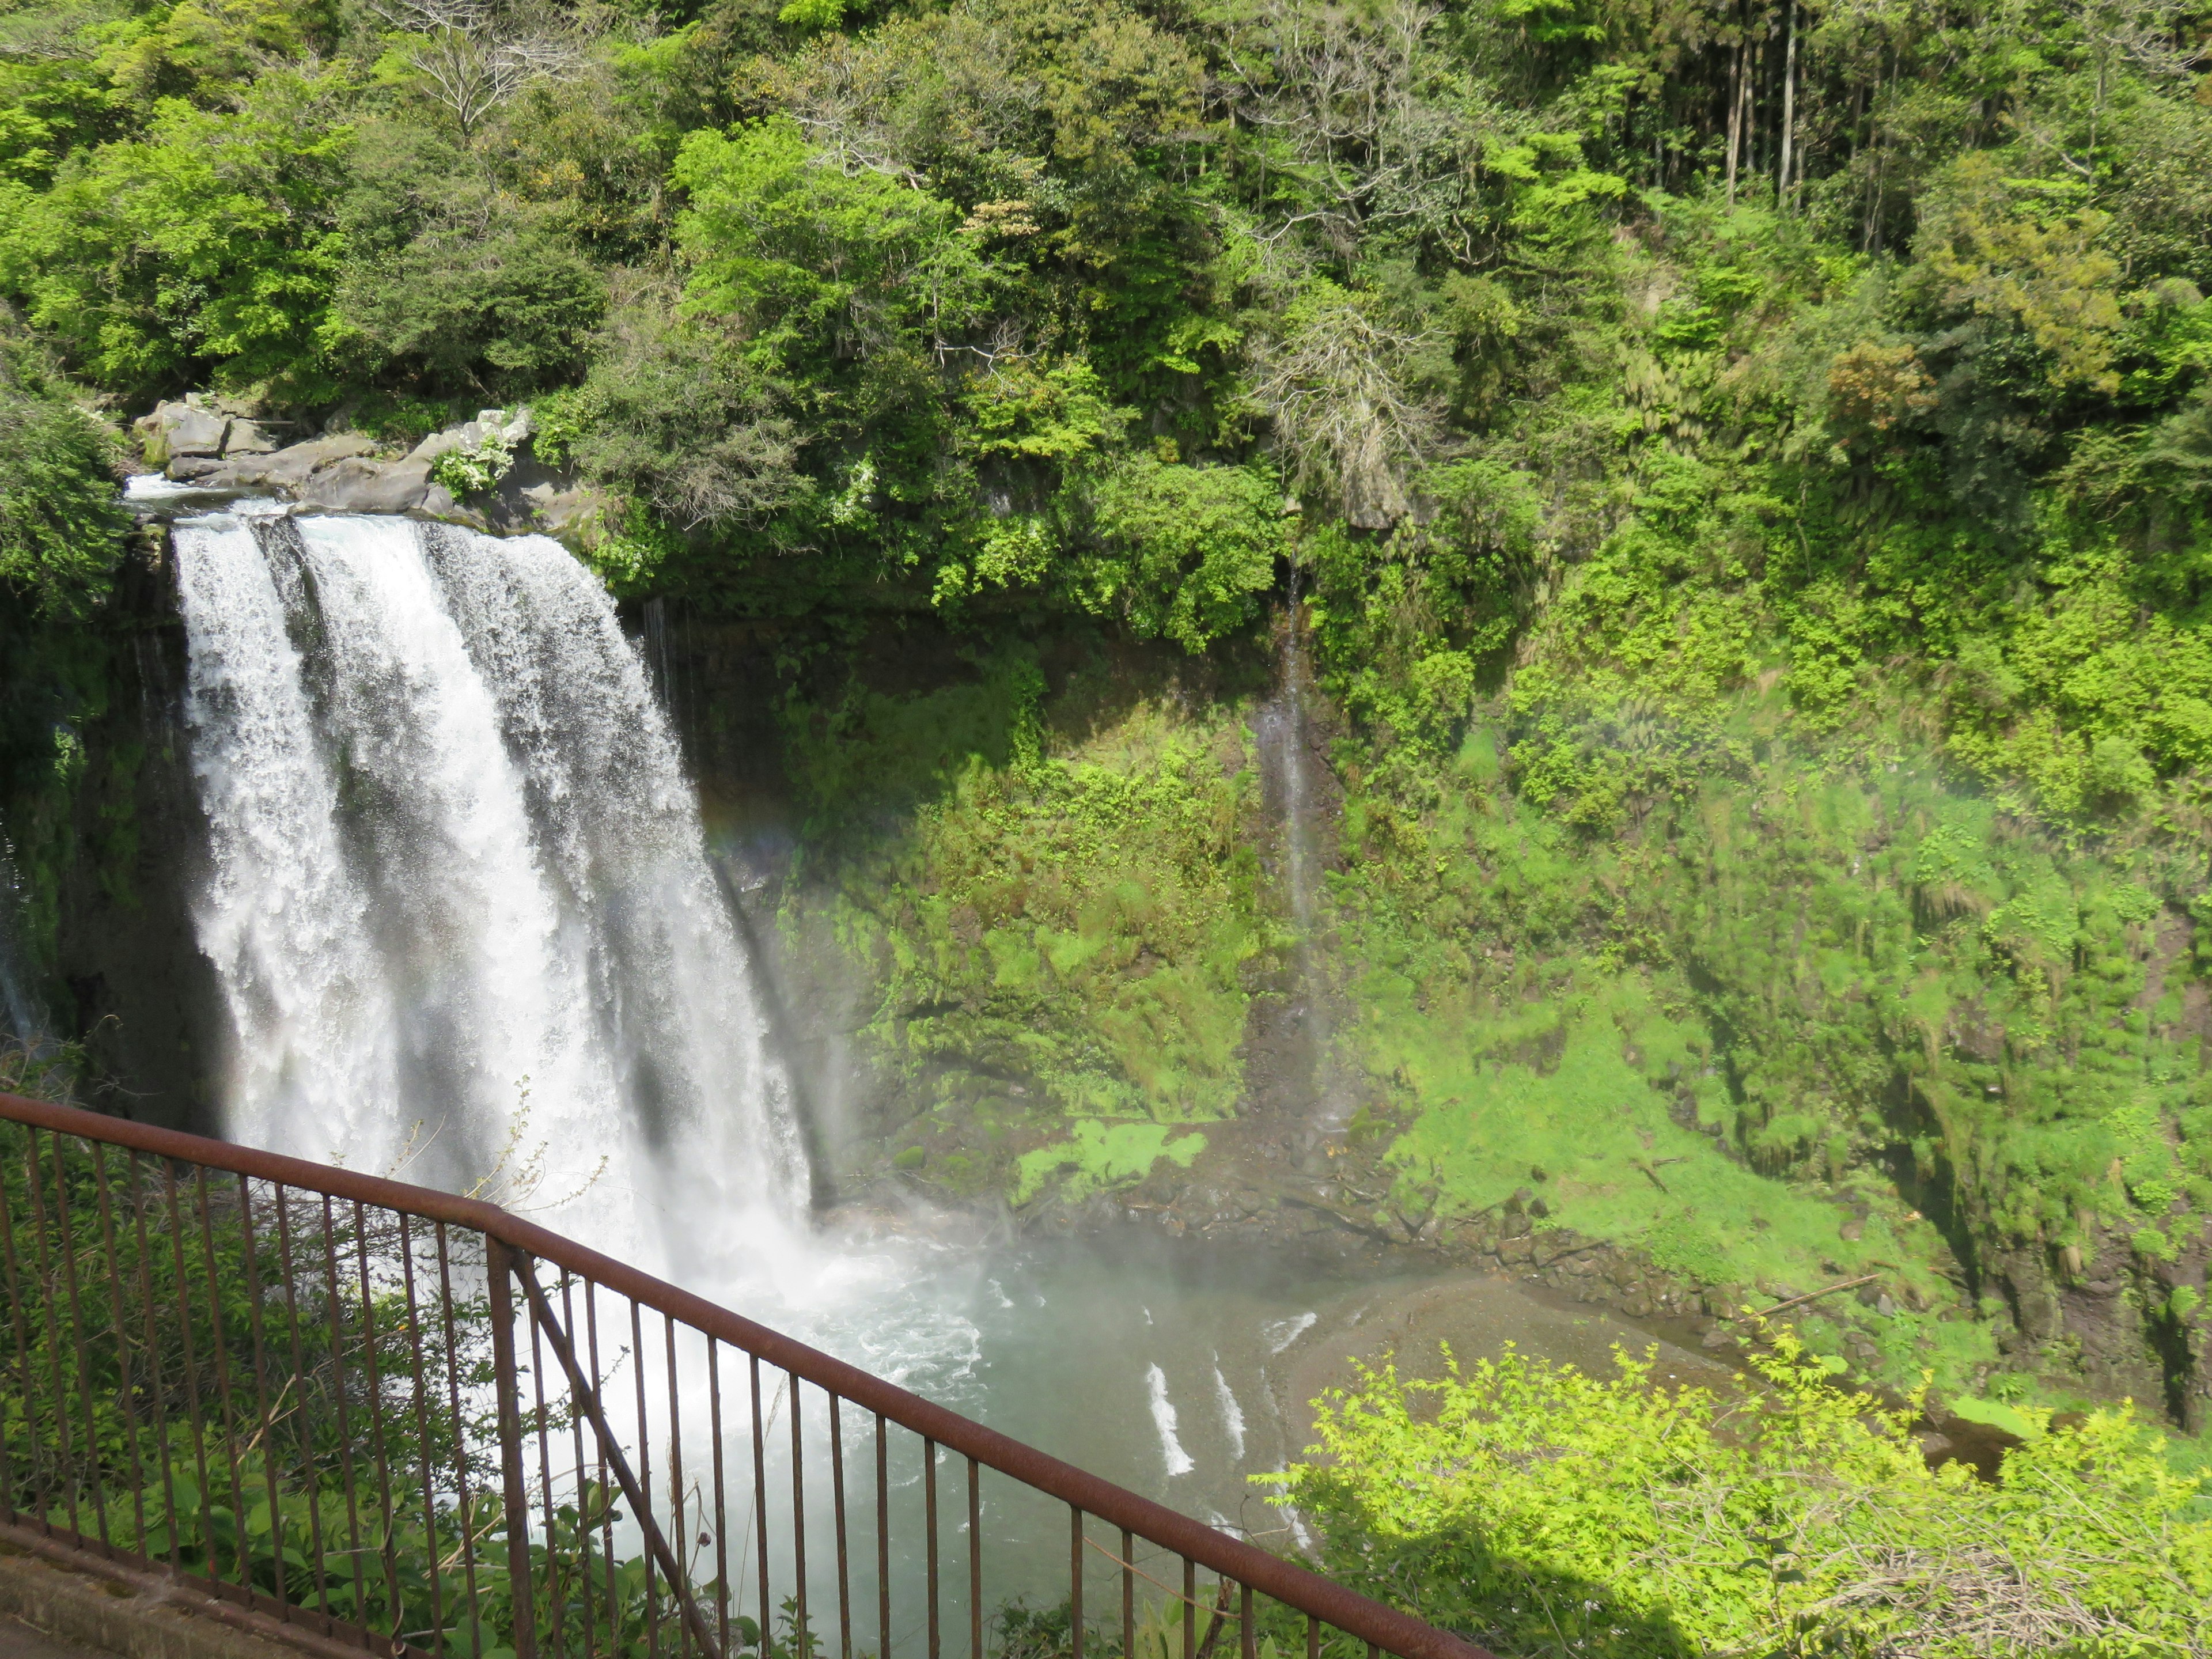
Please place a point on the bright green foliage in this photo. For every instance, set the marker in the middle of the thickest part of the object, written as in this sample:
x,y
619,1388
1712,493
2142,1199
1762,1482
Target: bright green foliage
x,y
1102,1154
208,243
61,526
450,288
466,471
808,259
1543,1511
1096,911
1081,918
1604,1128
1694,955
1189,548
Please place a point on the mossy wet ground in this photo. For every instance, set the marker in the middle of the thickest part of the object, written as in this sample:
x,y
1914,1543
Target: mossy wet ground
x,y
1802,1021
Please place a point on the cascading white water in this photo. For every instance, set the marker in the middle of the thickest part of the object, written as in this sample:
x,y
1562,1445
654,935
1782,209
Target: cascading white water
x,y
18,1008
459,902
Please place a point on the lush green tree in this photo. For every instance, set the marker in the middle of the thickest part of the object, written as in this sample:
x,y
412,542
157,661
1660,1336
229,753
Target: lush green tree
x,y
207,247
61,525
1544,1511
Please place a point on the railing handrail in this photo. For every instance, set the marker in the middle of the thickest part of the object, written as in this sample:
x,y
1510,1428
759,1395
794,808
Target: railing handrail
x,y
1233,1558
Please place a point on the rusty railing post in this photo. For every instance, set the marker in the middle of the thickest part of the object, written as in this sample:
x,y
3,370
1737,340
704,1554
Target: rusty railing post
x,y
499,1263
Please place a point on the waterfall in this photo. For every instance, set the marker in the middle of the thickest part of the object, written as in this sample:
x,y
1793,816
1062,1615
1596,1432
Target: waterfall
x,y
1281,728
24,1023
1297,795
459,898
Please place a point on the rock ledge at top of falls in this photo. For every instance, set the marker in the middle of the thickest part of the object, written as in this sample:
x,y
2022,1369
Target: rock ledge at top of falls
x,y
221,448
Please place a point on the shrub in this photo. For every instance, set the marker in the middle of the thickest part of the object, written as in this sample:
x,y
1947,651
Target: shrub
x,y
1542,1511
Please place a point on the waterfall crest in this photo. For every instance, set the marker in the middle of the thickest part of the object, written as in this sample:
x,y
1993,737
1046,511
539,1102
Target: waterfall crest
x,y
459,898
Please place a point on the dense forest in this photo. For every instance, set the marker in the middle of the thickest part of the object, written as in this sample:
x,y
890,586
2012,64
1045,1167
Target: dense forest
x,y
1740,472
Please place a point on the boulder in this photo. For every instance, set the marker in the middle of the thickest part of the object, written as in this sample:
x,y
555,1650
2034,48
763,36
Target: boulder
x,y
198,442
287,471
354,484
472,434
247,437
467,435
555,510
177,431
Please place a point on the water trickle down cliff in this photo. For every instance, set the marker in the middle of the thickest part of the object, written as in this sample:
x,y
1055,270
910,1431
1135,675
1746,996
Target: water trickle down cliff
x,y
1284,729
24,1021
459,900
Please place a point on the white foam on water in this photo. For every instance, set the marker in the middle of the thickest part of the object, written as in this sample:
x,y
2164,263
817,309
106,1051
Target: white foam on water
x,y
1280,1334
1163,1419
1232,1414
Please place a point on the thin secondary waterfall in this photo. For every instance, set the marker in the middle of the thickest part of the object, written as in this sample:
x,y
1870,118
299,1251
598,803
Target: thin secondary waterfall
x,y
19,1010
459,898
1281,729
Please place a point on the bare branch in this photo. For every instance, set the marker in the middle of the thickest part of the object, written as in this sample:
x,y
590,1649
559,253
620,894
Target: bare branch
x,y
475,55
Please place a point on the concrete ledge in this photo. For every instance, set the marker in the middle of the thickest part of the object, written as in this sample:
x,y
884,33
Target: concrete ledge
x,y
90,1602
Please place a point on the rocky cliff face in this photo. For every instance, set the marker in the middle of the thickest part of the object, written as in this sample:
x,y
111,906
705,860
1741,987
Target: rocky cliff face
x,y
483,473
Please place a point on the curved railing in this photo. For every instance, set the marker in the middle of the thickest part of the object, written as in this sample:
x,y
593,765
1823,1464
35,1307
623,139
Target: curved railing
x,y
396,1419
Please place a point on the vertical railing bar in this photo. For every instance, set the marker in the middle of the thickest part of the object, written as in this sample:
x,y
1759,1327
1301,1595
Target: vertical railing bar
x,y
191,1363
468,1508
124,1389
65,1233
338,1399
975,1560
1075,1581
266,1423
1189,1609
498,1265
22,1370
929,1511
422,1432
587,1400
379,1450
606,1506
1313,1637
583,1503
300,1410
63,1445
644,1472
556,1634
799,1641
760,1495
677,1593
221,1344
1129,1593
1251,1642
288,1277
837,1505
722,1501
883,1537
155,1368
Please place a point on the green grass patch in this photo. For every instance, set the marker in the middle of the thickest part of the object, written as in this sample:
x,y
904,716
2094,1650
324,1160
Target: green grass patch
x,y
1102,1155
1585,1128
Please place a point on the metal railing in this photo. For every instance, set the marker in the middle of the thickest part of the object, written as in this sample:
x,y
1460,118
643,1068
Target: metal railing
x,y
396,1421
